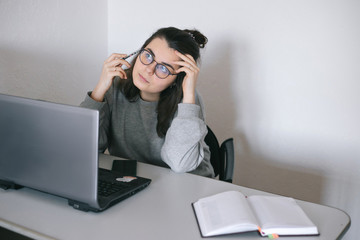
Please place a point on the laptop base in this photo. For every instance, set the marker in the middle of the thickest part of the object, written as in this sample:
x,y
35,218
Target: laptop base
x,y
81,206
86,208
9,185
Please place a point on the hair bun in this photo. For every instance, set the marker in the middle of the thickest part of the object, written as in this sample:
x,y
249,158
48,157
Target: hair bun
x,y
199,38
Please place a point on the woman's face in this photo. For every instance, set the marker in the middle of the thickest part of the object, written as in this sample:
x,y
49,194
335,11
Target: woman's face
x,y
144,76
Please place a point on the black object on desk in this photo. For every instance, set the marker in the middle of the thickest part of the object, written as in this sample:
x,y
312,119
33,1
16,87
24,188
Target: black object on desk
x,y
125,167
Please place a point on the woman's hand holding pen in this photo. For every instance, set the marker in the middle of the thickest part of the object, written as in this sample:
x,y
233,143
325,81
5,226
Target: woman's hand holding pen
x,y
189,66
111,68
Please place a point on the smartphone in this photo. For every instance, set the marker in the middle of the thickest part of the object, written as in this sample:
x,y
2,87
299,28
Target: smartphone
x,y
125,167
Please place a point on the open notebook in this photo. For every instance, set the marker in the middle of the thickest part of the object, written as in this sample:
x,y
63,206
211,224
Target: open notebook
x,y
54,148
233,212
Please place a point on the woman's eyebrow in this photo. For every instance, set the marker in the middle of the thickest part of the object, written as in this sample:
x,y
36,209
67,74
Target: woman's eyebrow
x,y
151,51
164,63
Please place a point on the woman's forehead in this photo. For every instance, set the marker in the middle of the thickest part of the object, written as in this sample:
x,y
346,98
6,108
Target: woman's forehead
x,y
162,51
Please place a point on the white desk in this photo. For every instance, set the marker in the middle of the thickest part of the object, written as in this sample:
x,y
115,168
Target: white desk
x,y
161,211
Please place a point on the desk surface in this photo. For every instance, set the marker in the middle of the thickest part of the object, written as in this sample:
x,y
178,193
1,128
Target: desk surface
x,y
161,211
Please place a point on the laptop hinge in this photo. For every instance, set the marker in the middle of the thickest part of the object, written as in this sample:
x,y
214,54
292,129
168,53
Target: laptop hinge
x,y
9,185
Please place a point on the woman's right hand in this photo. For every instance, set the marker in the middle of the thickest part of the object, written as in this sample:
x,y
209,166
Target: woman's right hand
x,y
111,68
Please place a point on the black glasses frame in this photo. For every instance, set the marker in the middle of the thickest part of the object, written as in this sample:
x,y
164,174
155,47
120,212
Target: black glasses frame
x,y
157,64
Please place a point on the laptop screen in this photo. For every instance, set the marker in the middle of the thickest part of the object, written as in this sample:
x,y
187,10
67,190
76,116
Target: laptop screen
x,y
49,147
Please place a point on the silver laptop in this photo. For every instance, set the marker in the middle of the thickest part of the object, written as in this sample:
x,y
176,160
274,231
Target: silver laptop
x,y
54,148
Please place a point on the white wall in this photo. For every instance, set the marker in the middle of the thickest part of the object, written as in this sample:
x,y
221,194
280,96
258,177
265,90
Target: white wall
x,y
52,50
282,78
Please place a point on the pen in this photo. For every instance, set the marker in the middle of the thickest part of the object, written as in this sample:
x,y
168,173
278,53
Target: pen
x,y
131,54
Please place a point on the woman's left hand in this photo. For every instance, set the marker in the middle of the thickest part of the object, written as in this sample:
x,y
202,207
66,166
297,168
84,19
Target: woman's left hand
x,y
189,66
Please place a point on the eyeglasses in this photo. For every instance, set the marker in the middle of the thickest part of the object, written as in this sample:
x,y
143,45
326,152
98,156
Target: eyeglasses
x,y
161,71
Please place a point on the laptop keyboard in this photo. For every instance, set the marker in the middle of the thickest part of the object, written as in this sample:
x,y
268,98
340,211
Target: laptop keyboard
x,y
106,188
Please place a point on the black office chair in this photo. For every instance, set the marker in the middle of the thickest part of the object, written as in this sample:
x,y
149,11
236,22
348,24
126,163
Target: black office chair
x,y
222,156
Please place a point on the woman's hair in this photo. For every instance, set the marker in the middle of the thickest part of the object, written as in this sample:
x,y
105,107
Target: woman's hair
x,y
186,42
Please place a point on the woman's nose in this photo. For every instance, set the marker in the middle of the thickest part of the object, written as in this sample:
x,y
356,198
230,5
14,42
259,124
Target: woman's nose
x,y
151,68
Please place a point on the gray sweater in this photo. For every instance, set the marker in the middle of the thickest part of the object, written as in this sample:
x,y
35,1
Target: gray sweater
x,y
128,130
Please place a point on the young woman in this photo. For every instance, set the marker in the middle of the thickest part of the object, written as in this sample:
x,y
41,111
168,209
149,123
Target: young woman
x,y
151,111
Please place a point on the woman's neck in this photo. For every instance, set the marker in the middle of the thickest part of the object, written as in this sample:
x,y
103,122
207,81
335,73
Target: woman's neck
x,y
149,97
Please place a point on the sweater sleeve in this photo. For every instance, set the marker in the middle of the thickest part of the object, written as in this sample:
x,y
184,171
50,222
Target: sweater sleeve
x,y
104,117
184,149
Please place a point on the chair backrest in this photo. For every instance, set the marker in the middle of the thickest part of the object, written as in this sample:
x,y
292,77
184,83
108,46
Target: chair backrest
x,y
227,154
221,156
212,142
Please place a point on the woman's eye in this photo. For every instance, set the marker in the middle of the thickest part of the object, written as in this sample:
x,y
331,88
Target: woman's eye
x,y
163,69
148,56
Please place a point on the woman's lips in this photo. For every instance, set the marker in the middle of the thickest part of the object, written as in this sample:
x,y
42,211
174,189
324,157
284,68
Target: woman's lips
x,y
143,79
